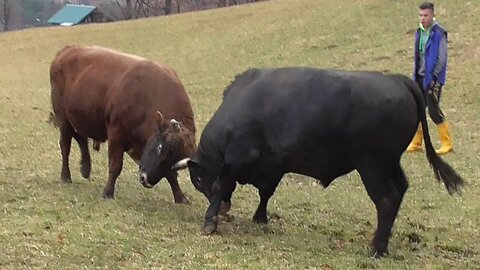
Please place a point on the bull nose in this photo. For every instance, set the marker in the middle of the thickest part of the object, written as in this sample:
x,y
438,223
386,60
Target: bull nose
x,y
143,177
144,180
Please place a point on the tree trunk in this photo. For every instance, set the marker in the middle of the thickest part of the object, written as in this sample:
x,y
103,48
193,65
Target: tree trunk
x,y
222,3
168,7
6,15
129,9
178,6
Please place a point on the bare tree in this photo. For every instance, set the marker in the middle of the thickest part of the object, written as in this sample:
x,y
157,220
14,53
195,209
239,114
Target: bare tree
x,y
138,8
150,7
168,7
129,9
6,15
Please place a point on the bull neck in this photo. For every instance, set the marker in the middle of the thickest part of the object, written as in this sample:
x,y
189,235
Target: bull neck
x,y
211,159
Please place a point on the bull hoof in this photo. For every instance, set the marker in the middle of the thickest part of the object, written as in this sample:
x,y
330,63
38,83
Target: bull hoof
x,y
183,200
210,226
66,180
377,254
107,196
86,170
260,220
209,229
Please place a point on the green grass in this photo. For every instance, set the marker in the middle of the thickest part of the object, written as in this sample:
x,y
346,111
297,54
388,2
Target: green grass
x,y
46,224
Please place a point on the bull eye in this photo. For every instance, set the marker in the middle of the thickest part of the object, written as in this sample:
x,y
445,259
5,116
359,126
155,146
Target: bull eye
x,y
159,149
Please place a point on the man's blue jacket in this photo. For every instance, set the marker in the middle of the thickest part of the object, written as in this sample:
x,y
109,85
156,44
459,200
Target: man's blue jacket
x,y
431,56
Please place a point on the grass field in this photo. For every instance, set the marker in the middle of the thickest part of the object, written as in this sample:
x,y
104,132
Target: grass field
x,y
49,225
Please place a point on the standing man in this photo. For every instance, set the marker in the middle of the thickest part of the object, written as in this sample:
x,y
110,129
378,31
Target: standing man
x,y
430,72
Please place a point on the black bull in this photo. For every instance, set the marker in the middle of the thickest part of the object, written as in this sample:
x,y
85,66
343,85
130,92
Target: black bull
x,y
319,123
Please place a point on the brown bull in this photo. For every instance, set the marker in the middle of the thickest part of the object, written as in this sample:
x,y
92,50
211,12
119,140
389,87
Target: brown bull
x,y
139,106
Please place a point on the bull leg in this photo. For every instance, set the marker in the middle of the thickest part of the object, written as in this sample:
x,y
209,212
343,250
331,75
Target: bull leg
x,y
65,145
265,192
115,160
399,180
222,188
226,200
387,199
85,163
178,195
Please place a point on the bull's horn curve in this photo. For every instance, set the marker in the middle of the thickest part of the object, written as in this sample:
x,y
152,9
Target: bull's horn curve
x,y
180,165
176,125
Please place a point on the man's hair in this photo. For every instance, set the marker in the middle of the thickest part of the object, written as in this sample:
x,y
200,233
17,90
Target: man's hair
x,y
427,5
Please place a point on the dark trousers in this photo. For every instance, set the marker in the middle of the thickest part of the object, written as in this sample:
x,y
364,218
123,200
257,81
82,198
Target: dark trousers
x,y
432,100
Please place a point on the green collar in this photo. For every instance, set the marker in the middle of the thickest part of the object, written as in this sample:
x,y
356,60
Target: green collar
x,y
423,38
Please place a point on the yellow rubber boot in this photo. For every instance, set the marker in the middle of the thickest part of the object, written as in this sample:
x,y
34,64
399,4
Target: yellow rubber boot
x,y
445,139
416,143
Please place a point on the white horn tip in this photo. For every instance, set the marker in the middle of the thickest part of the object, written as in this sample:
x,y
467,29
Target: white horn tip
x,y
182,164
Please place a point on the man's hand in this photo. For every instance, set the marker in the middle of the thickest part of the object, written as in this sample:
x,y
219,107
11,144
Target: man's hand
x,y
433,83
434,90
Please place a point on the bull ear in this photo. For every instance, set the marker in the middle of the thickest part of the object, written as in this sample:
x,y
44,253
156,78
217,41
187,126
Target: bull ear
x,y
175,125
159,119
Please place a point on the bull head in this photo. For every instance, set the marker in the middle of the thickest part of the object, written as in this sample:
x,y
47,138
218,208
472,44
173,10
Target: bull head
x,y
171,143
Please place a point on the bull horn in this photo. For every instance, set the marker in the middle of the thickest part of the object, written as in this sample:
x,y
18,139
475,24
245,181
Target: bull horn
x,y
176,125
159,119
182,164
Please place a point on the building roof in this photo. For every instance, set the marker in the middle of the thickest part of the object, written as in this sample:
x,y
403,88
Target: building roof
x,y
71,14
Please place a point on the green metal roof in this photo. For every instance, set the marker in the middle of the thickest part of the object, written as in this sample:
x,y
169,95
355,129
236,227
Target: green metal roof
x,y
71,14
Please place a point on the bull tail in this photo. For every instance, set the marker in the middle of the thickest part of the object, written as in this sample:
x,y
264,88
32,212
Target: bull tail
x,y
57,84
442,170
57,114
51,119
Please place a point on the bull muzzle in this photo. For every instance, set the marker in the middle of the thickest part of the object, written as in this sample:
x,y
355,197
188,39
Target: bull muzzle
x,y
144,180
